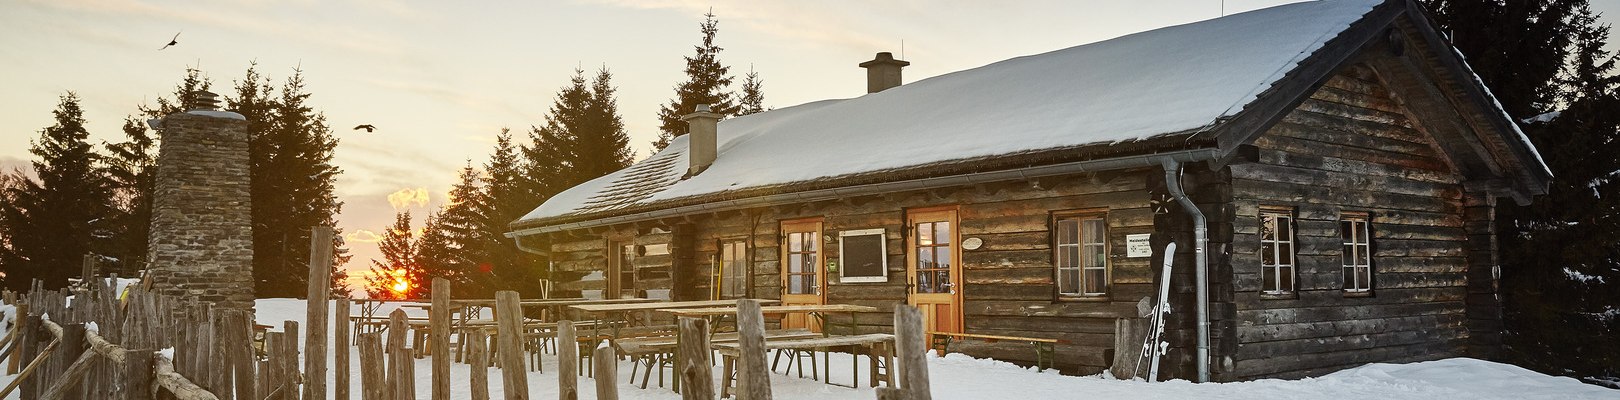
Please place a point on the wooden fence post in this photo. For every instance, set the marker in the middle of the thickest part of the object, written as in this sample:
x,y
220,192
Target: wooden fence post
x,y
509,314
21,320
401,366
289,361
478,356
913,364
89,269
695,369
34,338
340,349
567,358
68,377
372,375
753,377
270,368
607,373
439,321
137,371
320,291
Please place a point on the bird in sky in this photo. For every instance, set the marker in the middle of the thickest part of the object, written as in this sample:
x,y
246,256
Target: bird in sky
x,y
367,127
172,41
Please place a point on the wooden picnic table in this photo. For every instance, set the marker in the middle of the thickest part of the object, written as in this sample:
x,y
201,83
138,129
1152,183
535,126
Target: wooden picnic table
x,y
622,310
874,344
820,311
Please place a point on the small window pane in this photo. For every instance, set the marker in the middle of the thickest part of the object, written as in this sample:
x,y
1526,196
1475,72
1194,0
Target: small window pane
x,y
925,234
1268,227
942,255
1285,229
1269,279
1068,281
1285,253
1068,232
1268,253
810,241
795,242
1285,278
1366,277
942,233
925,259
1096,281
1094,231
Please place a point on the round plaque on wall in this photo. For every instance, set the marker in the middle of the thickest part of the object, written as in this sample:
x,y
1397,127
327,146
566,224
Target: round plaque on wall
x,y
972,243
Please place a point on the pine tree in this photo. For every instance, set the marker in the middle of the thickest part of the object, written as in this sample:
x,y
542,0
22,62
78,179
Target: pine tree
x,y
600,146
753,95
505,200
131,167
52,223
461,224
436,256
706,83
1560,255
397,275
290,147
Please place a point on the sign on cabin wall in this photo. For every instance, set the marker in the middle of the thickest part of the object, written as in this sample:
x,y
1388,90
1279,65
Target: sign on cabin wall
x,y
862,256
1139,245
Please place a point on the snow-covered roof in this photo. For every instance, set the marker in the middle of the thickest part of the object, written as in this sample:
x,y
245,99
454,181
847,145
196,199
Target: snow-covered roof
x,y
1167,81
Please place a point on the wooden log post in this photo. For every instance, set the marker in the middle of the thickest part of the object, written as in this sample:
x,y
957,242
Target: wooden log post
x,y
753,376
137,372
567,358
88,271
22,326
478,356
289,361
239,332
1128,337
509,314
695,371
320,291
439,343
372,375
270,368
401,365
69,381
890,393
913,364
607,373
340,349
34,339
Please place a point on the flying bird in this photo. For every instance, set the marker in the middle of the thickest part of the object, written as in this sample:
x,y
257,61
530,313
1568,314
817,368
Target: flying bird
x,y
367,127
172,41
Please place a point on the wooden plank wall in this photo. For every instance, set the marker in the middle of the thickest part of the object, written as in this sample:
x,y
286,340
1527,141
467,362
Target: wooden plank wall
x,y
1008,283
1350,147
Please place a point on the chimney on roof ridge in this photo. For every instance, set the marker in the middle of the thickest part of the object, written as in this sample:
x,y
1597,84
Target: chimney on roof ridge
x,y
883,72
701,145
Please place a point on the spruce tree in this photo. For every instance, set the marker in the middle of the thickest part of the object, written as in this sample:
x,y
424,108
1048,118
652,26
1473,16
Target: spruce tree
x,y
397,275
52,223
505,200
753,95
290,147
707,82
461,225
437,257
600,146
1560,256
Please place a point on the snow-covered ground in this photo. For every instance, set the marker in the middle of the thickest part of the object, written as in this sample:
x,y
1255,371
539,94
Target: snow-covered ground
x,y
960,377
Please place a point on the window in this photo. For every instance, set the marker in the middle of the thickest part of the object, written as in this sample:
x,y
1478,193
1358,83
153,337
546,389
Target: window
x,y
802,263
934,254
863,256
1081,255
731,273
1357,254
621,273
1277,251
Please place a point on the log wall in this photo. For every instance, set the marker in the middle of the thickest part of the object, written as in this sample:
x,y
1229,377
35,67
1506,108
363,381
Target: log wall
x,y
1351,147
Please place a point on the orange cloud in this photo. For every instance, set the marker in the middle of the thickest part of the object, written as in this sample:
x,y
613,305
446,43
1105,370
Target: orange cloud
x,y
362,236
407,197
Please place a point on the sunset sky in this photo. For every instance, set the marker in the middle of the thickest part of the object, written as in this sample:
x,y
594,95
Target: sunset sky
x,y
440,79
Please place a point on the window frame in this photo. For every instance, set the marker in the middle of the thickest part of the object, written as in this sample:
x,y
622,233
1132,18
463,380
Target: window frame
x,y
1362,248
816,248
621,261
883,247
1081,217
1275,269
719,269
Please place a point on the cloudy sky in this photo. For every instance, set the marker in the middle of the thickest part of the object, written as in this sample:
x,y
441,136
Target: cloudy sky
x,y
441,79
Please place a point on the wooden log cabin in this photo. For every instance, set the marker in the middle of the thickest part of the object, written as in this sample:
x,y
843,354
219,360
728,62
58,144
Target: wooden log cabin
x,y
1335,163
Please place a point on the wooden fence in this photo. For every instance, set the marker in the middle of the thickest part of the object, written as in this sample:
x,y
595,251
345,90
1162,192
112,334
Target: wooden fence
x,y
92,342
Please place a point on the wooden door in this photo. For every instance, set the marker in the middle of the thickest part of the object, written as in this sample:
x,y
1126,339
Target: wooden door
x,y
934,268
804,280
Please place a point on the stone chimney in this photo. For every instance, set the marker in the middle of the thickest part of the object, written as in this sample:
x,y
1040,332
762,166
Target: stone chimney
x,y
201,245
701,127
883,72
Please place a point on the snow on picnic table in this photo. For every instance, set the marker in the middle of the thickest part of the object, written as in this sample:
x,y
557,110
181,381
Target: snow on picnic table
x,y
958,376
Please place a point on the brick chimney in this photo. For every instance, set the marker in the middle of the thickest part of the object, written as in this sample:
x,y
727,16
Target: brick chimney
x,y
701,127
883,72
201,244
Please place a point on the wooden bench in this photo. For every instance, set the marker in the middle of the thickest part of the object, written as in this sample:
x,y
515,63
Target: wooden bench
x,y
876,344
1045,349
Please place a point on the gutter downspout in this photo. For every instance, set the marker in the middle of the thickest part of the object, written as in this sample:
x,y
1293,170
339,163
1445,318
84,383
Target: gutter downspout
x,y
1172,180
518,240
